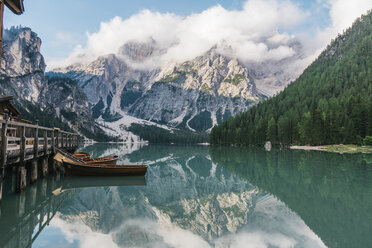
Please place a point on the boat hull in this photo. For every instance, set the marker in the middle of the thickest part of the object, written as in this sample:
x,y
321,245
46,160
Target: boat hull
x,y
103,170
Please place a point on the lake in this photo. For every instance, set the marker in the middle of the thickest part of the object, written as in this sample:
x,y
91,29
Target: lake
x,y
199,196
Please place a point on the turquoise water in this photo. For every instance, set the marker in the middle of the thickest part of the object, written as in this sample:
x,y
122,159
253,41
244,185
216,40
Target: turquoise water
x,y
199,196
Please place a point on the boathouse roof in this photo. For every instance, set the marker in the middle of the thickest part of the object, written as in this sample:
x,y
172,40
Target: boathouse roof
x,y
5,103
16,6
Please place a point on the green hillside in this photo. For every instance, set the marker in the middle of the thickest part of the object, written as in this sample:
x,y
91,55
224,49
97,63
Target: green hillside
x,y
330,103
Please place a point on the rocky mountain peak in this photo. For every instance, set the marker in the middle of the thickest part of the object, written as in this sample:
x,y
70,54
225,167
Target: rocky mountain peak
x,y
138,51
213,73
21,52
37,96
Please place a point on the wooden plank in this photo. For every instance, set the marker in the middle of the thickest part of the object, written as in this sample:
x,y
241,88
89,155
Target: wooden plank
x,y
45,142
14,139
16,6
57,138
36,141
23,145
53,144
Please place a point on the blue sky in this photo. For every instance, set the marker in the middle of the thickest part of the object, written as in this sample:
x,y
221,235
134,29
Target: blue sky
x,y
63,24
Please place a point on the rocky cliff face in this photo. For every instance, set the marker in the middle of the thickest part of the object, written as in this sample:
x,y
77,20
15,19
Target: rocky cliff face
x,y
197,94
69,102
54,100
22,65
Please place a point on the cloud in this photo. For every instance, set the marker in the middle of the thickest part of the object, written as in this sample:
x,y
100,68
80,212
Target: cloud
x,y
342,14
253,34
77,231
250,32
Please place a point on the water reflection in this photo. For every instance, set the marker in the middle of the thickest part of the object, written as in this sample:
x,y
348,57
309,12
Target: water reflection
x,y
194,196
188,201
23,217
332,193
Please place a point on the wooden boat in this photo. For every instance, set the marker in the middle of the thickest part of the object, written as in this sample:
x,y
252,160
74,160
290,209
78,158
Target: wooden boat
x,y
75,167
104,160
83,169
85,157
81,155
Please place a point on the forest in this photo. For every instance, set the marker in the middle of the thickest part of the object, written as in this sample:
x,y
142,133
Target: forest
x,y
330,103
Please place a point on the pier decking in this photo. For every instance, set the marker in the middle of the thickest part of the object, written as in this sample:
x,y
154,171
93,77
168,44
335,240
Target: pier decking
x,y
25,147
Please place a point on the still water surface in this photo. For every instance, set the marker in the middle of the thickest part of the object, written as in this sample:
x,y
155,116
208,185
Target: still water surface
x,y
197,196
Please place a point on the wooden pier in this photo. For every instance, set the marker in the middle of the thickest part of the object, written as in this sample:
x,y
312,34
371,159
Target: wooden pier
x,y
27,148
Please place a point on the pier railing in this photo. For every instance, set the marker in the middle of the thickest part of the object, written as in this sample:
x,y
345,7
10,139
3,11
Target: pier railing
x,y
30,149
22,141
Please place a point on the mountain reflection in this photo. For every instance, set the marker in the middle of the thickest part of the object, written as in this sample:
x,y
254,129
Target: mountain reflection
x,y
188,201
196,196
332,193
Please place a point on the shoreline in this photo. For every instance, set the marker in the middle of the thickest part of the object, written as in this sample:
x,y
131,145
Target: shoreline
x,y
350,149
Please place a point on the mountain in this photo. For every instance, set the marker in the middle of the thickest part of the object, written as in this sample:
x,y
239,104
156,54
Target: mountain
x,y
128,99
330,103
22,65
55,102
135,96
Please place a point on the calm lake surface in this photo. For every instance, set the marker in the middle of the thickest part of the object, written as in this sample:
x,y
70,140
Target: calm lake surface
x,y
199,196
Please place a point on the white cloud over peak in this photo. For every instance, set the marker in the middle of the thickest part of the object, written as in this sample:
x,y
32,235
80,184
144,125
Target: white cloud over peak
x,y
252,33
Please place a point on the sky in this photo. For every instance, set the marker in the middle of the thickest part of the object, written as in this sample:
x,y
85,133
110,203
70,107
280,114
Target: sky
x,y
71,28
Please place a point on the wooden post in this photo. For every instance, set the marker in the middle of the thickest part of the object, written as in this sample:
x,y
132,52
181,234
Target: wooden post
x,y
63,141
69,141
21,172
4,143
45,142
23,145
36,140
52,165
53,144
57,139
